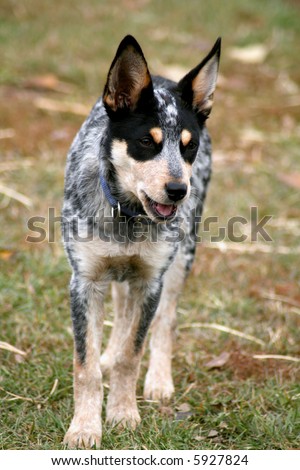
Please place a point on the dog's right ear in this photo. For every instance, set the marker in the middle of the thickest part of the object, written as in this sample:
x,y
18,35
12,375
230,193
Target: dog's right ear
x,y
128,78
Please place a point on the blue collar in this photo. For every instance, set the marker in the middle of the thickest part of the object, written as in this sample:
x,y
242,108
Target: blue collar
x,y
117,206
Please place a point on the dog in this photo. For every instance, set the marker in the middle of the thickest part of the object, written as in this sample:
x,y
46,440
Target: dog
x,y
135,183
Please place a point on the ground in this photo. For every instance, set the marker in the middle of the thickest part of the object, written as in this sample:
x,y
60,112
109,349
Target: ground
x,y
236,356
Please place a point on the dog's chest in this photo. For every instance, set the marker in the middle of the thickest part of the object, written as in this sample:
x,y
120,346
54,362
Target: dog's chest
x,y
106,261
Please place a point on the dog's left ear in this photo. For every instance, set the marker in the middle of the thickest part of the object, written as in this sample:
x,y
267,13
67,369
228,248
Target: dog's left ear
x,y
198,86
128,78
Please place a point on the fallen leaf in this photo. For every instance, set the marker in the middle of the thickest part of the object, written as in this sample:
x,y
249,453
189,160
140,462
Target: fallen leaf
x,y
254,54
223,425
291,179
180,416
166,411
285,84
184,412
6,254
184,407
48,82
250,136
19,359
172,72
213,433
218,361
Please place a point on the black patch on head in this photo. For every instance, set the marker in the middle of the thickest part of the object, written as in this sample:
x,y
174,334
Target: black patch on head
x,y
135,129
190,122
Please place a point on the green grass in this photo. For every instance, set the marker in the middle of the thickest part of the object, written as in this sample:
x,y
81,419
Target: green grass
x,y
250,403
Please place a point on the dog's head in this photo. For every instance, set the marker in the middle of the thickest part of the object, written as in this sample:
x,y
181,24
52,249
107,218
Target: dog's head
x,y
155,128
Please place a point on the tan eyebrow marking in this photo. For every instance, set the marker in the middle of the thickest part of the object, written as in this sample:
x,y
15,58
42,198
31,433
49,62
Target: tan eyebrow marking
x,y
156,134
186,137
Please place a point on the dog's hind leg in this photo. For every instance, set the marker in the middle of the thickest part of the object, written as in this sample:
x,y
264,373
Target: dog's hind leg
x,y
87,316
119,296
142,303
159,382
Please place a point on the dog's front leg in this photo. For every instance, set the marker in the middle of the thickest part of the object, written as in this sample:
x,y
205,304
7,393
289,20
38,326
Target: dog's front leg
x,y
141,306
159,382
87,317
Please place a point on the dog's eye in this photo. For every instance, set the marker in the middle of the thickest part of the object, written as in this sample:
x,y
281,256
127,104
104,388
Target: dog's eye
x,y
146,142
191,145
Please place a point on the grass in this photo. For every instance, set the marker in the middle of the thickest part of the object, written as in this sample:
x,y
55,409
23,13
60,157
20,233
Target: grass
x,y
247,402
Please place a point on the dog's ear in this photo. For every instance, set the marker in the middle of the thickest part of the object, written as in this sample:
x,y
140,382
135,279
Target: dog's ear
x,y
198,86
128,78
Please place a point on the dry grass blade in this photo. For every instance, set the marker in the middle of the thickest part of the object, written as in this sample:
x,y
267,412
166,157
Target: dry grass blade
x,y
54,387
252,54
14,165
224,329
280,298
62,106
276,356
7,133
12,194
186,392
16,397
48,82
9,347
296,310
252,248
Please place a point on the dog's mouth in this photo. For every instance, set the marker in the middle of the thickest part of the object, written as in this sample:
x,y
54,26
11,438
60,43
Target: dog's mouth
x,y
162,212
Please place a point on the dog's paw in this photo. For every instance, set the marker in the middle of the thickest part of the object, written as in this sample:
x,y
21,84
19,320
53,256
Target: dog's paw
x,y
123,417
158,387
86,437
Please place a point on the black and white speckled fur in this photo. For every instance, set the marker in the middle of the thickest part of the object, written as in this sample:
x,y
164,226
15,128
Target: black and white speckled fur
x,y
151,264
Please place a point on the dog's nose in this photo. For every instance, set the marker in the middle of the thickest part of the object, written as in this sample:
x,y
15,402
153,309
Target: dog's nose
x,y
176,191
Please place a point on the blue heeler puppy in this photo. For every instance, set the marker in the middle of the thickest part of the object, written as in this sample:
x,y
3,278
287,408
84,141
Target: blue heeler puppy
x,y
136,178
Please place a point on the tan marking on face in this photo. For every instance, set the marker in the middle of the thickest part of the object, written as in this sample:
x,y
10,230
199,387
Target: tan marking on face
x,y
150,177
156,134
186,137
124,165
187,171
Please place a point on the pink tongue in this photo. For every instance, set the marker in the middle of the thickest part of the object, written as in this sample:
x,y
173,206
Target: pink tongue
x,y
164,210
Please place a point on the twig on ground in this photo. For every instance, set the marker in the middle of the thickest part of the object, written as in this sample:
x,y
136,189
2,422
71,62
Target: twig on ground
x,y
9,347
13,194
276,356
224,329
